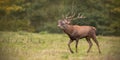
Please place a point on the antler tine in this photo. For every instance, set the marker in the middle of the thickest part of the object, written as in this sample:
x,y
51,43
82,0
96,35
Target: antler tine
x,y
80,16
73,15
67,15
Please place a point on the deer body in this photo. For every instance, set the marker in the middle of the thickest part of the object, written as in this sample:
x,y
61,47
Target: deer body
x,y
76,32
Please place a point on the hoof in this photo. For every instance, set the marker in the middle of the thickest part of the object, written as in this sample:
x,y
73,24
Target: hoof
x,y
99,52
88,51
72,52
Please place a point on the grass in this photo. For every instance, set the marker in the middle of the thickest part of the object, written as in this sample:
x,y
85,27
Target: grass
x,y
46,46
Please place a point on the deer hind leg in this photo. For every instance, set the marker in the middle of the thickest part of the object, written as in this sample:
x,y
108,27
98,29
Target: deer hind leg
x,y
76,45
70,41
95,40
90,44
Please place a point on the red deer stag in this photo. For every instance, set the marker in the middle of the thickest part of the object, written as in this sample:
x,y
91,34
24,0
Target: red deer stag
x,y
76,32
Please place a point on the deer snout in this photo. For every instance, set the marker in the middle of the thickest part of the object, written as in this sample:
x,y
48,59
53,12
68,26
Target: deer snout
x,y
59,26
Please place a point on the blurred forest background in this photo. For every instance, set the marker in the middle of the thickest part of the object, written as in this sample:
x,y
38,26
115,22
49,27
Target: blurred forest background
x,y
42,15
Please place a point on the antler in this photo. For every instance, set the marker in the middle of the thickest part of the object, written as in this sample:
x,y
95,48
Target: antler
x,y
67,19
67,15
72,17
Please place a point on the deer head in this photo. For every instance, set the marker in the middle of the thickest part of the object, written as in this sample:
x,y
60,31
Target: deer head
x,y
67,20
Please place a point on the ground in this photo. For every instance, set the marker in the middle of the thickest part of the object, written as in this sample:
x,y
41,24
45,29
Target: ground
x,y
50,46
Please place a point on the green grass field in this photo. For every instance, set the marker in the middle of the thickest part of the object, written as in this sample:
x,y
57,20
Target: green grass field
x,y
47,46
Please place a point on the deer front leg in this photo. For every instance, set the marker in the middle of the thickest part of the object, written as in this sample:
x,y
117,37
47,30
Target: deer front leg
x,y
70,41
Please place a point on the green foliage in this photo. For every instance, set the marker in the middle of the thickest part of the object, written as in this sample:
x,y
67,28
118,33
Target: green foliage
x,y
42,15
15,25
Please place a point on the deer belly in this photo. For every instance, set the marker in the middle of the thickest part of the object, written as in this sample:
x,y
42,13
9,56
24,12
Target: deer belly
x,y
81,35
75,37
72,37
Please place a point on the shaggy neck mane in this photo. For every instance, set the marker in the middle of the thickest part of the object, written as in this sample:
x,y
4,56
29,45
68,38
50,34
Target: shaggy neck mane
x,y
68,29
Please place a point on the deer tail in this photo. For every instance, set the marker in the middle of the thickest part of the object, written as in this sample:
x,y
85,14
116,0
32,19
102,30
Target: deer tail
x,y
94,28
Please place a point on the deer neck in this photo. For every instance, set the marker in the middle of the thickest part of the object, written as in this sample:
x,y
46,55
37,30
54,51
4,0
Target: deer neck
x,y
68,29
